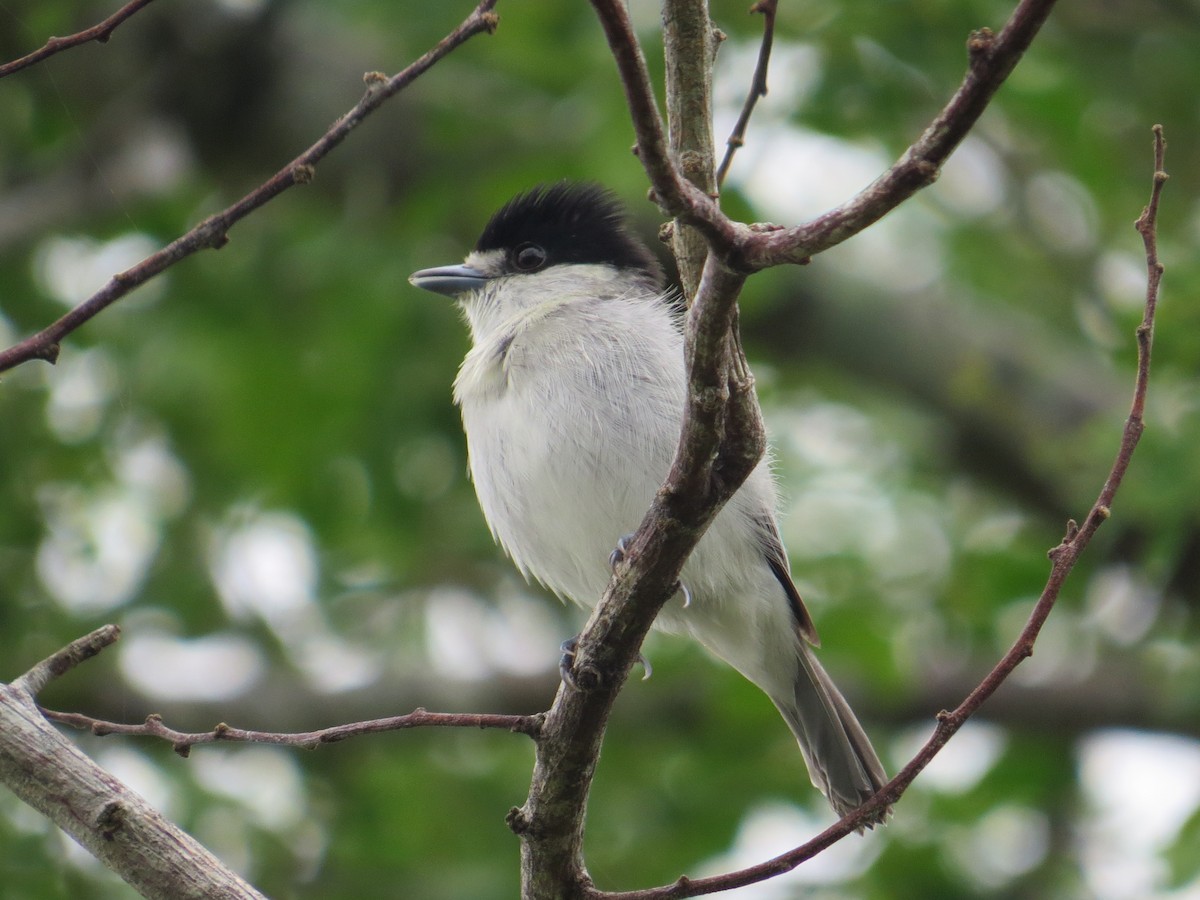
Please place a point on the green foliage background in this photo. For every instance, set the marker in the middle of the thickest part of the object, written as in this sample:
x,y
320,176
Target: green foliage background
x,y
290,394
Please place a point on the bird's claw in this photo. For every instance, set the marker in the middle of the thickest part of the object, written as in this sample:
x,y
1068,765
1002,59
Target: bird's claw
x,y
566,663
687,595
620,551
649,669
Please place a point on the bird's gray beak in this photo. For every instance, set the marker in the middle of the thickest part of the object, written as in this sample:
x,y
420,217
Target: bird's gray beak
x,y
449,280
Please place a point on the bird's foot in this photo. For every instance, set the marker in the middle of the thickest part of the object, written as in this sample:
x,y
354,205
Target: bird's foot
x,y
566,662
621,550
589,679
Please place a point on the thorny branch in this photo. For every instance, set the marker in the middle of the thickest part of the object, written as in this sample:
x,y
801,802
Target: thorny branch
x,y
213,232
100,33
78,651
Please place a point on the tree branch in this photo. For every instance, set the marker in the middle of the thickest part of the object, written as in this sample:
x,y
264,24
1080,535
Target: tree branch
x,y
213,232
35,680
721,442
110,821
71,796
690,47
672,190
183,741
992,59
99,33
1063,559
722,439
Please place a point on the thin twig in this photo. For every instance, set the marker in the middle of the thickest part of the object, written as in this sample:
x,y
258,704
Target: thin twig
x,y
1063,558
758,86
99,33
1147,227
183,741
212,233
64,660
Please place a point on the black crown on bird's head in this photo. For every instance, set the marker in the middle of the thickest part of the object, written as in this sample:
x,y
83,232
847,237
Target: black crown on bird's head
x,y
564,223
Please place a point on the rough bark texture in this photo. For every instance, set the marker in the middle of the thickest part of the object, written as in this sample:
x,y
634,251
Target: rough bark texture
x,y
690,48
109,820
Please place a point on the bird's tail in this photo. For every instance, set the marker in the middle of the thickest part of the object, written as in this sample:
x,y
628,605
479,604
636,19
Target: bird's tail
x,y
841,761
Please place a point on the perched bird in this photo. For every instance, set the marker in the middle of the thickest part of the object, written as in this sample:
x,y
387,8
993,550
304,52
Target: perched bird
x,y
572,399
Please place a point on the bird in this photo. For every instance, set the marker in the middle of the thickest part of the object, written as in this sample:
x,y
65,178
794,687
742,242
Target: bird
x,y
572,397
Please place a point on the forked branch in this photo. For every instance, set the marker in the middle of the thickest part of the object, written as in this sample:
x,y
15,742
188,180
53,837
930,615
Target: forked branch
x,y
992,57
735,249
1063,559
117,826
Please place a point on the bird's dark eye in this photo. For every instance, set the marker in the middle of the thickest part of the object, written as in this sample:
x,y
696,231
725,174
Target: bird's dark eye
x,y
529,257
